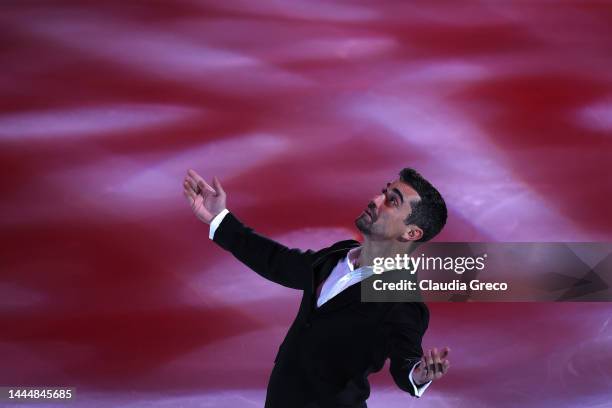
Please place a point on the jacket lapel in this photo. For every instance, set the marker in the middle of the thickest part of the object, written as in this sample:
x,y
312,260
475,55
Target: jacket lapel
x,y
322,269
348,296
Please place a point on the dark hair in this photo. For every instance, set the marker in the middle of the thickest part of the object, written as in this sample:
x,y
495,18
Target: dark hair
x,y
429,213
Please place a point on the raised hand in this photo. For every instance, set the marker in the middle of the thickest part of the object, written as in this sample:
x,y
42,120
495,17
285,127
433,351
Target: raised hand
x,y
205,201
433,365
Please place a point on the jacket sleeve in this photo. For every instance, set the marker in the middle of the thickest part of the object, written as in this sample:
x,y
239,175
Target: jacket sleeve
x,y
290,267
406,324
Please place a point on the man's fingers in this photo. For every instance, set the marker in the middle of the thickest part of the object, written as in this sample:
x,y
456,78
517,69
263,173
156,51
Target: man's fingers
x,y
190,195
199,185
434,364
190,183
192,173
189,192
437,363
205,188
199,181
217,186
429,364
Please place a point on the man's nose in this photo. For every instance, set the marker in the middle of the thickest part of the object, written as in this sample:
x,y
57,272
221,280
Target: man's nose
x,y
378,200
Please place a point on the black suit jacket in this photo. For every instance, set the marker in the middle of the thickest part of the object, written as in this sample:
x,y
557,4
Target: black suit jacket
x,y
328,352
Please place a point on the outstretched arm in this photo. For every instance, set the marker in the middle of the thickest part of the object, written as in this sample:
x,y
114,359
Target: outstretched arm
x,y
405,326
290,267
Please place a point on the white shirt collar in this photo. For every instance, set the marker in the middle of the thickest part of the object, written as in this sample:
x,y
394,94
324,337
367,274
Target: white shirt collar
x,y
353,256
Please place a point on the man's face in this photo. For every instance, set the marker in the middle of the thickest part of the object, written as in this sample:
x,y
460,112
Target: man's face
x,y
384,217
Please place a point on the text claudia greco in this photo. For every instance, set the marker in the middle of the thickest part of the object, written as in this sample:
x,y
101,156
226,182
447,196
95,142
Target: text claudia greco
x,y
429,285
426,263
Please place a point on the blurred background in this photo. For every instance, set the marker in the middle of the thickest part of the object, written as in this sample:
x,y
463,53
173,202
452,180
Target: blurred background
x,y
304,110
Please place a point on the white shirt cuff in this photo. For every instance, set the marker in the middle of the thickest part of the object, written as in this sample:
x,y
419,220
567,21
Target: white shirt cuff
x,y
214,224
418,390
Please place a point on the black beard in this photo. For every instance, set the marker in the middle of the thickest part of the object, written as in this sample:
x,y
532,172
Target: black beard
x,y
362,226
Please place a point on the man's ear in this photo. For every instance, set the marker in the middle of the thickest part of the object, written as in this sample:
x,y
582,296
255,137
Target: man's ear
x,y
412,233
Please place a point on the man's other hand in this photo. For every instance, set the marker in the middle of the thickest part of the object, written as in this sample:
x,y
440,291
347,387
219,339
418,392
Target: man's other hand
x,y
205,201
433,365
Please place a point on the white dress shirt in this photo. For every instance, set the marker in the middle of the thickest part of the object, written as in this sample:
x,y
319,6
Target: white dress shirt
x,y
342,276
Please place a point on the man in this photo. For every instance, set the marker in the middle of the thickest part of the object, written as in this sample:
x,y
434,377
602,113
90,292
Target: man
x,y
336,340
